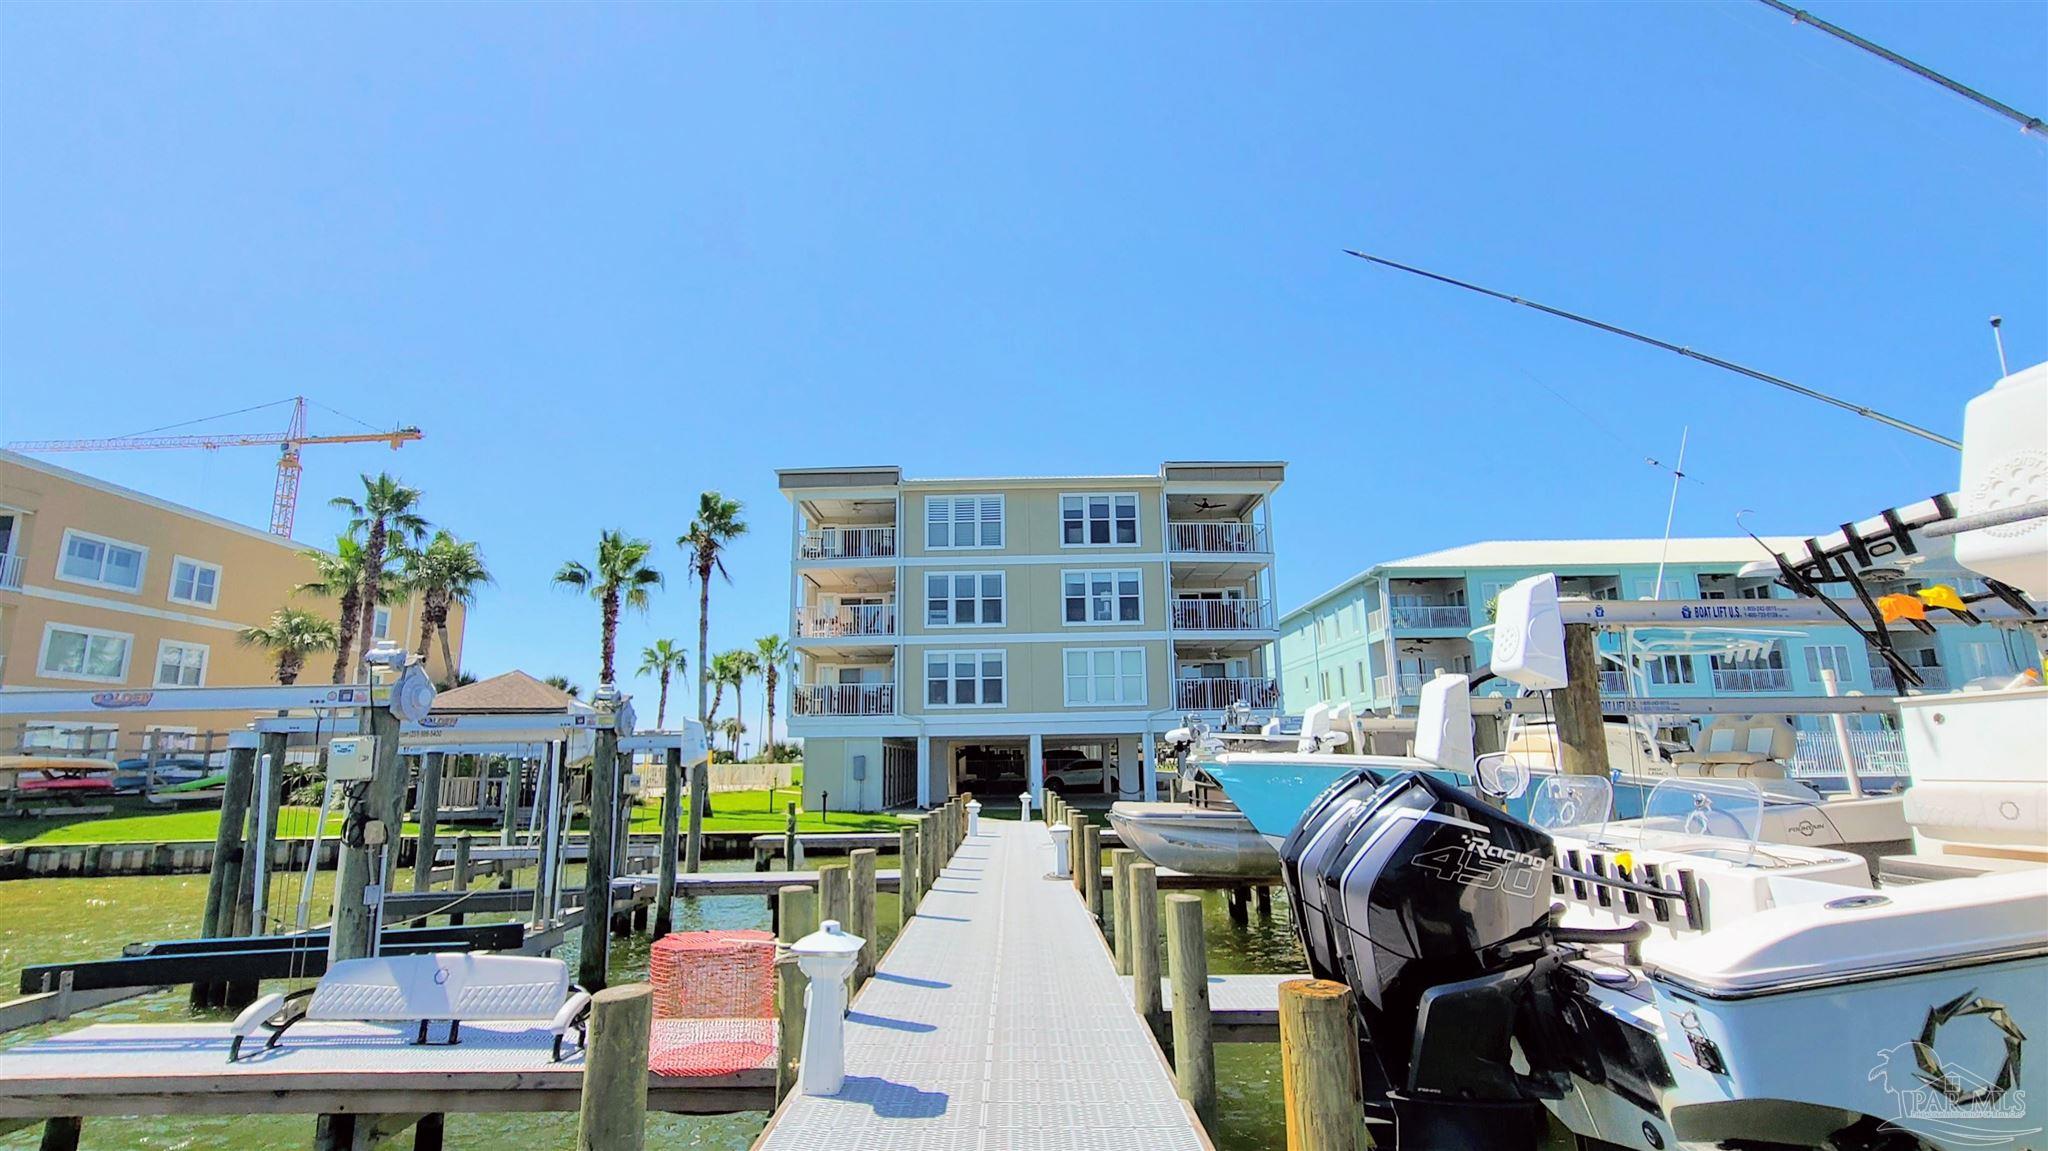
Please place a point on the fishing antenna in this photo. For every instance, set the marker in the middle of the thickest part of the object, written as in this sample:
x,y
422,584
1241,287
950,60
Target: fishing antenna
x,y
2027,123
1998,338
1716,361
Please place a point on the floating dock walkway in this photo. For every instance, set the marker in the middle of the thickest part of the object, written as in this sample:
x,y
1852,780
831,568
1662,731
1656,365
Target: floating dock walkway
x,y
996,1020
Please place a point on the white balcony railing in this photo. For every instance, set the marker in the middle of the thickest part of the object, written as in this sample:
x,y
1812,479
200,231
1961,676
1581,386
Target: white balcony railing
x,y
854,621
1217,694
1223,615
1613,683
843,699
1222,538
849,544
1432,615
1376,621
1407,685
1931,678
1745,679
10,572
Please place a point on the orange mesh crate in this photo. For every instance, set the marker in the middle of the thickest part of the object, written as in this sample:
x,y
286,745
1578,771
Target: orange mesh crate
x,y
714,1002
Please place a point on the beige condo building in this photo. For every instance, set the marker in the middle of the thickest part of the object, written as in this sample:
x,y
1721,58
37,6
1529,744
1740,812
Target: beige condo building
x,y
104,588
973,634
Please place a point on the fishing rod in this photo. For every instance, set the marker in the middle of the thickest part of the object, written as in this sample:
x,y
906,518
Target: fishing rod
x,y
1716,361
2027,123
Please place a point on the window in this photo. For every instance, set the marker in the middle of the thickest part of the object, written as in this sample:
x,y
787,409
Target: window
x,y
380,624
1097,676
98,560
963,678
1098,521
1326,685
71,652
1666,669
1756,656
1342,690
963,522
963,599
1830,657
180,664
195,582
1103,597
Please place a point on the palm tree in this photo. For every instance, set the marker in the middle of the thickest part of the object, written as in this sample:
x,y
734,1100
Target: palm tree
x,y
291,635
774,655
743,664
562,683
446,572
662,658
621,578
387,506
722,675
732,727
342,577
717,524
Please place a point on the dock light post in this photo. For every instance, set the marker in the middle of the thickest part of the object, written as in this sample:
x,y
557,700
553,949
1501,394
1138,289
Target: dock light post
x,y
973,818
1060,832
1024,800
826,957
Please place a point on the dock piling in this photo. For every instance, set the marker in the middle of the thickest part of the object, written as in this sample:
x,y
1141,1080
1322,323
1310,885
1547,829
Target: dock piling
x,y
928,856
862,922
591,967
1091,869
218,917
672,797
1319,1067
60,1133
835,892
789,839
462,847
1077,857
797,916
1194,1051
1120,862
1144,899
614,1112
907,888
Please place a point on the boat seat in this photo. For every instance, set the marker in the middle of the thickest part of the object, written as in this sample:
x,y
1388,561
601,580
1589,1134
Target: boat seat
x,y
456,987
1742,741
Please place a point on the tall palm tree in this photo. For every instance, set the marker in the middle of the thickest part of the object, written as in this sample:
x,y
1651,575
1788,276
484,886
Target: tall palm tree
x,y
774,654
662,658
446,572
620,579
721,675
742,663
732,727
717,524
342,577
562,683
291,635
387,507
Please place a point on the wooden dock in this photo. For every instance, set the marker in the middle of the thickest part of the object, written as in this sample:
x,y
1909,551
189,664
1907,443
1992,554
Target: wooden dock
x,y
996,1020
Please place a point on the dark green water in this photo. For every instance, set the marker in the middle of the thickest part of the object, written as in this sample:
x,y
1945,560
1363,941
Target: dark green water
x,y
50,919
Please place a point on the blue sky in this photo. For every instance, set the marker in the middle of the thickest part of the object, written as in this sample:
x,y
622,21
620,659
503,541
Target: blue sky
x,y
608,257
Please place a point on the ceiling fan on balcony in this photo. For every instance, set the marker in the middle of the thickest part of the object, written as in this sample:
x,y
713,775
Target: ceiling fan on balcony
x,y
1205,504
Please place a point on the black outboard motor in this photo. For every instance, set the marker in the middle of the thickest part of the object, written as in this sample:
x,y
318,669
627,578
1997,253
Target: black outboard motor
x,y
1435,909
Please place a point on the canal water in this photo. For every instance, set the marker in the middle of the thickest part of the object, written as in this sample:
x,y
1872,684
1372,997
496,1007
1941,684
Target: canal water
x,y
48,919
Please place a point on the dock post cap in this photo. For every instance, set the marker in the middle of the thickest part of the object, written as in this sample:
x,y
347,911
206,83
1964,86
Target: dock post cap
x,y
973,818
1024,799
827,957
1060,832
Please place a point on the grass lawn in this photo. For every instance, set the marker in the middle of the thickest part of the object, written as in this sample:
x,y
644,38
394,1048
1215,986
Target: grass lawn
x,y
133,821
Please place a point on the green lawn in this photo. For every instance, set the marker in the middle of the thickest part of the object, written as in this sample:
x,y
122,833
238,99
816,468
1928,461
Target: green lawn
x,y
133,821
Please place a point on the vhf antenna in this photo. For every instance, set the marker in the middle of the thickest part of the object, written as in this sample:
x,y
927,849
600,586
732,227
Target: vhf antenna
x,y
1998,338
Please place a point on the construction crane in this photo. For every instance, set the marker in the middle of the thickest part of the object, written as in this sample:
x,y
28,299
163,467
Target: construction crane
x,y
285,501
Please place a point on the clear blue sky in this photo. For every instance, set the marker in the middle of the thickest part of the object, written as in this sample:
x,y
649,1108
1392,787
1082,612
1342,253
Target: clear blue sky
x,y
608,257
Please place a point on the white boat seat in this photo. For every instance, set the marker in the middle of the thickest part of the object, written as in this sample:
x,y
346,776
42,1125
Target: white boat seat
x,y
1742,740
456,987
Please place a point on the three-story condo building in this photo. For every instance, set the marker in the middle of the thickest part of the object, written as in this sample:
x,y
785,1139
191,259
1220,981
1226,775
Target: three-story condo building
x,y
992,635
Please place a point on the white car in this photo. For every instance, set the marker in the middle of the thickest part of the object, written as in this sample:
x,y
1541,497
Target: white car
x,y
1073,772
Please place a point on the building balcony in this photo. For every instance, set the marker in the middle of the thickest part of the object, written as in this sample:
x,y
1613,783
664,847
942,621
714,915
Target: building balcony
x,y
821,699
1739,680
1223,615
1431,615
1613,683
10,571
1407,685
1882,679
1258,692
871,543
848,622
1223,537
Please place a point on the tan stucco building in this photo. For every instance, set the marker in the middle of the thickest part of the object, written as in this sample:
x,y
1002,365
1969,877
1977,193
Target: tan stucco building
x,y
103,587
965,634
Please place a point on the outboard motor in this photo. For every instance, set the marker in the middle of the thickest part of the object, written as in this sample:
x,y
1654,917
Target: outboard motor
x,y
1435,909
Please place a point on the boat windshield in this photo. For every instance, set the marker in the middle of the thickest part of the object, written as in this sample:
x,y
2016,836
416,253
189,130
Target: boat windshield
x,y
1725,810
1579,805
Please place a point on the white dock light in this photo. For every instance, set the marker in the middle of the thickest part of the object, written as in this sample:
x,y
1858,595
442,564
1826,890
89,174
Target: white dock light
x,y
1060,832
826,957
974,818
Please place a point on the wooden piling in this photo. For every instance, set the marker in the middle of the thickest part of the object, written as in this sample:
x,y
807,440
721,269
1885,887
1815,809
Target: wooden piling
x,y
927,854
1120,862
700,786
1581,728
797,913
60,1133
427,1134
789,839
218,917
429,805
909,888
672,796
1091,869
1319,1067
835,893
591,965
1238,901
863,924
1187,959
1145,939
462,866
1077,832
614,1112
1264,893
334,1132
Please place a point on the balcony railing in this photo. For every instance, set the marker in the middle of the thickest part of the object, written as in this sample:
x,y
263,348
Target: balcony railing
x,y
10,572
1223,615
1743,679
849,544
1931,678
851,621
1376,621
1613,683
844,699
1432,615
1404,686
1217,694
1224,538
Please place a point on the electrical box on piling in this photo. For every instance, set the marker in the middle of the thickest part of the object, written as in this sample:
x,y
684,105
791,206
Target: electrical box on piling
x,y
349,757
